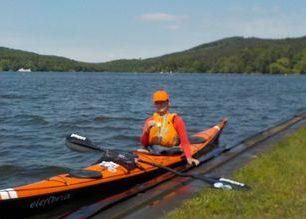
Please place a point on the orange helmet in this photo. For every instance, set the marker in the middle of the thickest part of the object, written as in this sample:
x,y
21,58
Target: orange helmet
x,y
160,95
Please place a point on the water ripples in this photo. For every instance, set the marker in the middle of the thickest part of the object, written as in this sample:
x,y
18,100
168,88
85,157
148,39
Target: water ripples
x,y
38,111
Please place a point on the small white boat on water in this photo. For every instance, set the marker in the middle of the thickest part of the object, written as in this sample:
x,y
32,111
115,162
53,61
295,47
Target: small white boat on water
x,y
24,70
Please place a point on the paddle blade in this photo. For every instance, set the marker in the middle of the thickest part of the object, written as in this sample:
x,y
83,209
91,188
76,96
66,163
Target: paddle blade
x,y
222,183
80,143
227,184
234,184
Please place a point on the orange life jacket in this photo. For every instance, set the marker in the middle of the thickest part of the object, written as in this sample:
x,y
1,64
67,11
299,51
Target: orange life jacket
x,y
163,132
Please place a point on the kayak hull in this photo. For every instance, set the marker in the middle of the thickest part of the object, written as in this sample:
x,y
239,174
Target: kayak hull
x,y
34,205
63,189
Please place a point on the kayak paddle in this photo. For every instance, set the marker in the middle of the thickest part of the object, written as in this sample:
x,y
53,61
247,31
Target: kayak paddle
x,y
80,143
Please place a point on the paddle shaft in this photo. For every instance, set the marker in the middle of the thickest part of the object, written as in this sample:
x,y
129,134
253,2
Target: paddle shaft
x,y
214,182
203,178
83,144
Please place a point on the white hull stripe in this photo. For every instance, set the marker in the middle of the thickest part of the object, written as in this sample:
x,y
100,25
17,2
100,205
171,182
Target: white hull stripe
x,y
4,195
8,194
217,127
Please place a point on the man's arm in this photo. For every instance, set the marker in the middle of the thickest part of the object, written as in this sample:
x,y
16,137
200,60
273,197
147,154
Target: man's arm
x,y
180,127
144,139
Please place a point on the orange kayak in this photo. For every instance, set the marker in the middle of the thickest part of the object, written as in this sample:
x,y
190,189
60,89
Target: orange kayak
x,y
104,179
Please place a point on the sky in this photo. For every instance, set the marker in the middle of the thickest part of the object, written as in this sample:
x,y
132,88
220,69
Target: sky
x,y
104,30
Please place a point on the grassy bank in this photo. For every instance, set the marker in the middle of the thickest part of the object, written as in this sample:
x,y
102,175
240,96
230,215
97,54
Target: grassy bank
x,y
278,181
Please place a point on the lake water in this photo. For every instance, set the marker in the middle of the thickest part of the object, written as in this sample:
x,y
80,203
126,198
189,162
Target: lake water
x,y
37,111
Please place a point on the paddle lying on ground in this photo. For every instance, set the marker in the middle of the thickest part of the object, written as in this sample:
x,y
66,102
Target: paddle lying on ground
x,y
129,160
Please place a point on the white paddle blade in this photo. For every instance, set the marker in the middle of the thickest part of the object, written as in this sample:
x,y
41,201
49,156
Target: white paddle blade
x,y
223,183
80,143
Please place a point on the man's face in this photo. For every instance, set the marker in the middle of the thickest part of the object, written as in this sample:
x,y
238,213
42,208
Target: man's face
x,y
162,106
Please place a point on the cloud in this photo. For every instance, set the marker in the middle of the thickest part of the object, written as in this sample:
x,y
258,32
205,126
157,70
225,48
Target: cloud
x,y
166,20
157,17
172,27
161,17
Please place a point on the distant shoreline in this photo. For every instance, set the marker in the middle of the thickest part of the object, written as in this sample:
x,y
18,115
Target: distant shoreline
x,y
231,55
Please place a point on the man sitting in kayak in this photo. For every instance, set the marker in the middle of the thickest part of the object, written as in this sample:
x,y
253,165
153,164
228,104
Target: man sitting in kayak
x,y
166,129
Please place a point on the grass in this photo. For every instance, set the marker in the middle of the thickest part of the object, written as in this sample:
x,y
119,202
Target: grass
x,y
278,181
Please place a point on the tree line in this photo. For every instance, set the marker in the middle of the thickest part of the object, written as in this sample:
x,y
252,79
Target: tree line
x,y
230,55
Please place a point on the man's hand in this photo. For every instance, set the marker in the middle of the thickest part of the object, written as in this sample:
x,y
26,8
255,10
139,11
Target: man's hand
x,y
192,161
150,125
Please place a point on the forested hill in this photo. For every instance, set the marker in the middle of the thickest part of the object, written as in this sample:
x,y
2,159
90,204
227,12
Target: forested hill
x,y
12,60
232,55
